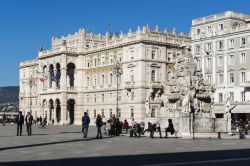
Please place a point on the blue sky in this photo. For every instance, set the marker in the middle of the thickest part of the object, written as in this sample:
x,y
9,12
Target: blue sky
x,y
27,24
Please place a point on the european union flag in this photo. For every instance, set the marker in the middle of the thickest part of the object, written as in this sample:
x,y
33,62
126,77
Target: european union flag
x,y
52,75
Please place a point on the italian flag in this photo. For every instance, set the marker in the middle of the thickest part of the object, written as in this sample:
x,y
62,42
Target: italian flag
x,y
41,76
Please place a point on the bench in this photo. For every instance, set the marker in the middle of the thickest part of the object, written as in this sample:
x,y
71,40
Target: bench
x,y
175,134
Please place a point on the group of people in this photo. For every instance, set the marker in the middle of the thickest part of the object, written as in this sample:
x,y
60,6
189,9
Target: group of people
x,y
20,122
114,127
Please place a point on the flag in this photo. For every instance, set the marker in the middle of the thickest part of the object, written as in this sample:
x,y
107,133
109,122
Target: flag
x,y
52,75
41,76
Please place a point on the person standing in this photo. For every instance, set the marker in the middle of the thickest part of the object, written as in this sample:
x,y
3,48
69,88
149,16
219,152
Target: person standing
x,y
4,119
125,125
99,124
85,124
113,125
19,122
29,120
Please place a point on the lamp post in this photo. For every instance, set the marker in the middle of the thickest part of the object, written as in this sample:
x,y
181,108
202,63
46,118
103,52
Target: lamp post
x,y
117,70
30,84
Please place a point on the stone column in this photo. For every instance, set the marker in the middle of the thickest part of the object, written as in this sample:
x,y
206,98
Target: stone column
x,y
63,79
79,107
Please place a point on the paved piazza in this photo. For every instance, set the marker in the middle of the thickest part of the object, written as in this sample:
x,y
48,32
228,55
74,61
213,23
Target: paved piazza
x,y
64,145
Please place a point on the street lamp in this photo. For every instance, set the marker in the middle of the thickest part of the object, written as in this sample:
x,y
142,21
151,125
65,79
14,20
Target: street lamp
x,y
30,84
117,70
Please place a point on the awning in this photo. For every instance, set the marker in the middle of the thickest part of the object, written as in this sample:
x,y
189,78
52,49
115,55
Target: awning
x,y
241,109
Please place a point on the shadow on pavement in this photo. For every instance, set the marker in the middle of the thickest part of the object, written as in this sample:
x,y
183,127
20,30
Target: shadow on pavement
x,y
50,143
205,158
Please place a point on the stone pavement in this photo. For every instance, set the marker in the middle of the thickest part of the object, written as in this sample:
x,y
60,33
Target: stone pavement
x,y
64,145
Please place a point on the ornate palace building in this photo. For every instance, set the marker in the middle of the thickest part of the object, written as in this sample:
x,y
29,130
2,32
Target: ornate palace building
x,y
77,74
221,45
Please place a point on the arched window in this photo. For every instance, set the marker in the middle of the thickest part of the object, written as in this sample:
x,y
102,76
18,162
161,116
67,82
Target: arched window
x,y
103,78
87,81
153,75
111,78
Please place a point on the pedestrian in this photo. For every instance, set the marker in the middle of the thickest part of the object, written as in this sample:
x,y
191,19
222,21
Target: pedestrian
x,y
4,119
113,125
37,121
53,121
99,124
158,128
41,120
85,124
125,125
170,128
29,121
242,130
104,124
151,129
19,122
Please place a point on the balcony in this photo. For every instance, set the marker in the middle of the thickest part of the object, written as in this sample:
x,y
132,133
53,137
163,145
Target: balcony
x,y
155,84
129,85
71,88
245,84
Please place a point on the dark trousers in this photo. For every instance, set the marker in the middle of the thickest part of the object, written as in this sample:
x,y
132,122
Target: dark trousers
x,y
29,129
19,129
99,132
113,131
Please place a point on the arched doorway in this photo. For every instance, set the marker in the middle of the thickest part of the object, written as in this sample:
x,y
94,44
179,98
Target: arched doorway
x,y
58,111
44,104
71,74
58,75
71,110
51,108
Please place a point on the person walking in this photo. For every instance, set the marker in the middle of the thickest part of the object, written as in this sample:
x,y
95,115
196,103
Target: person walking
x,y
99,124
19,122
29,121
125,125
113,125
4,119
85,124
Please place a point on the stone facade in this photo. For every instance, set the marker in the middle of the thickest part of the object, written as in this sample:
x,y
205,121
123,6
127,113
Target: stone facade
x,y
76,74
221,44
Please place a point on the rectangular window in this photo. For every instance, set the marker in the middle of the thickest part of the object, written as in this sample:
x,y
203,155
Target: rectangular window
x,y
231,96
209,62
243,76
198,31
243,57
132,55
197,49
221,27
209,46
231,77
94,113
153,54
209,78
95,98
220,61
131,112
231,43
231,59
103,113
220,97
132,96
220,45
102,97
243,41
221,80
243,96
209,29
153,112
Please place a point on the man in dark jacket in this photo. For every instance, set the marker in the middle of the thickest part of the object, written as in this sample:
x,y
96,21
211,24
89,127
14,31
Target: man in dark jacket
x,y
170,128
29,120
4,119
85,124
19,122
